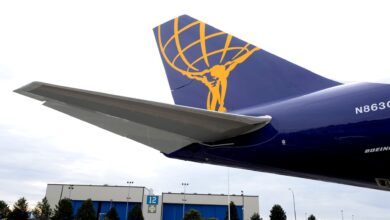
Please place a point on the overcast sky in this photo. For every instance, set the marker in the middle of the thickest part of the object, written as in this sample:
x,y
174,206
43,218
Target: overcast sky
x,y
108,46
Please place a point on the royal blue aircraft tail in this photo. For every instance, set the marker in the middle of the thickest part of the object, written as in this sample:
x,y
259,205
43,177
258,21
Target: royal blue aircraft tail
x,y
210,69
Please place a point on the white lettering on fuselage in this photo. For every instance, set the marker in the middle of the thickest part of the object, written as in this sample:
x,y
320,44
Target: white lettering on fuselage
x,y
377,149
372,107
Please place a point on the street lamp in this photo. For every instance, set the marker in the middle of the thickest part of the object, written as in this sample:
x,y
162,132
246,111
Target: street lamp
x,y
295,212
243,202
70,191
184,196
128,197
228,196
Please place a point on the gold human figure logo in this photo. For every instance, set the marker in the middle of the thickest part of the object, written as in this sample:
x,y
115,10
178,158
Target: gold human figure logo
x,y
215,77
217,83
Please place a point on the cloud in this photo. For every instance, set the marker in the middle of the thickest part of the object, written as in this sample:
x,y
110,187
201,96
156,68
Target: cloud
x,y
110,47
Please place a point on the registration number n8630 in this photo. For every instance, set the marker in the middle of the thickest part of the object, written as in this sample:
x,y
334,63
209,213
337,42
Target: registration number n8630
x,y
372,107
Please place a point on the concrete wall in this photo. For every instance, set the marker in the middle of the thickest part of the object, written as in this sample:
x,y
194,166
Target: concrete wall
x,y
152,216
55,192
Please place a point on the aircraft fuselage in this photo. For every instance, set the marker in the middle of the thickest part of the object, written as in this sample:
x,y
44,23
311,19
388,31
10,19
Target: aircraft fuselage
x,y
339,134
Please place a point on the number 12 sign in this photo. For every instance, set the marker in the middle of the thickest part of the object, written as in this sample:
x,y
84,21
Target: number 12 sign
x,y
152,200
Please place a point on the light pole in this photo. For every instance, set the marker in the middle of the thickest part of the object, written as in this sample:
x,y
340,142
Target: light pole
x,y
127,198
305,215
228,193
342,214
71,187
184,196
243,203
295,212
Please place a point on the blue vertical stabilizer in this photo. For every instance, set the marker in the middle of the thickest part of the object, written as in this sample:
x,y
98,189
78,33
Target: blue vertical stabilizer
x,y
211,69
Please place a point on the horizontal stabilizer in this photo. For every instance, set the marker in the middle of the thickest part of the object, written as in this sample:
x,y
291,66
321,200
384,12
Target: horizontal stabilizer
x,y
164,127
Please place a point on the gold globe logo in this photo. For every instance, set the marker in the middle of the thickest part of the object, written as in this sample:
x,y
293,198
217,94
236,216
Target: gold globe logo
x,y
215,75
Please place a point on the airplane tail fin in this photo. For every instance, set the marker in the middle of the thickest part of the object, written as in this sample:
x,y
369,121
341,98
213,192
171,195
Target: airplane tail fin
x,y
210,69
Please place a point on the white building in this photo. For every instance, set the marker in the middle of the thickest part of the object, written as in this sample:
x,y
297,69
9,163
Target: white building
x,y
168,206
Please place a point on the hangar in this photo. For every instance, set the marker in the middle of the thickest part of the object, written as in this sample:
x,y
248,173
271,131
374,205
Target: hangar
x,y
167,206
